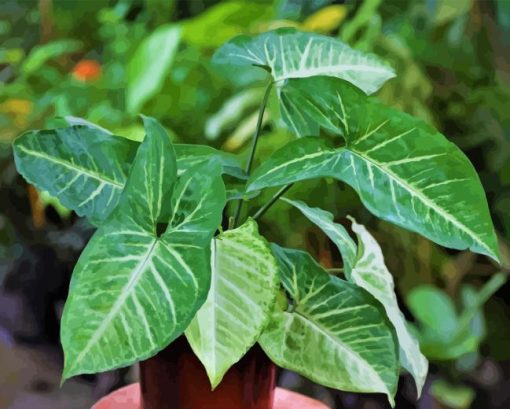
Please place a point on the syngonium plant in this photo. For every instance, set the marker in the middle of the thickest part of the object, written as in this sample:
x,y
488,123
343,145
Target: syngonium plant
x,y
160,264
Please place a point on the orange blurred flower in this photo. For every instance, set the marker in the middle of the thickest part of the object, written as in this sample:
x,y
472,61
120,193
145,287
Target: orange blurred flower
x,y
87,70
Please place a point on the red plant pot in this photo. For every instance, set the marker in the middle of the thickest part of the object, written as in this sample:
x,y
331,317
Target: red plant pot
x,y
175,379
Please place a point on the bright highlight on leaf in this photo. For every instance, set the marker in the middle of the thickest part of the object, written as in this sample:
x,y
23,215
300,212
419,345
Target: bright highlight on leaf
x,y
287,53
333,333
244,284
404,170
134,288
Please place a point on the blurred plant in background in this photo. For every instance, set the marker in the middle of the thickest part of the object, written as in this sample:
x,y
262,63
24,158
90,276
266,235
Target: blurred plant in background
x,y
109,61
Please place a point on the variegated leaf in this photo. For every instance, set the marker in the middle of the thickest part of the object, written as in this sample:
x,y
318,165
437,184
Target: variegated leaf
x,y
146,271
333,332
371,273
336,232
288,53
404,170
364,266
244,285
86,167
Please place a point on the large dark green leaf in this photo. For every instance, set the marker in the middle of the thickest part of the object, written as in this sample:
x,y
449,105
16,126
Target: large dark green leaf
x,y
244,285
333,333
288,53
404,170
86,167
146,271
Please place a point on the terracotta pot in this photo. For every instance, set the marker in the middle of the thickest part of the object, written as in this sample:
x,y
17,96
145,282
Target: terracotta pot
x,y
175,379
129,397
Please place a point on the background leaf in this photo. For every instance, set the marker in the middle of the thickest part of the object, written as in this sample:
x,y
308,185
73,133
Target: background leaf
x,y
150,64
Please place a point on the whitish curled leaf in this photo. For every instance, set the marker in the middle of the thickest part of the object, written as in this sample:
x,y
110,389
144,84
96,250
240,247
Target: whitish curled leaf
x,y
405,171
244,284
334,333
146,271
288,53
86,167
371,273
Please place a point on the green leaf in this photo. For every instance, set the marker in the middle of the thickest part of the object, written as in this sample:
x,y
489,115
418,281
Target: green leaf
x,y
43,53
147,69
288,53
364,266
334,333
134,288
371,274
244,285
85,166
336,232
404,170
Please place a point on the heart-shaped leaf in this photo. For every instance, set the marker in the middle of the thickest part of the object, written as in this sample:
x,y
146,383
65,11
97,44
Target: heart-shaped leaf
x,y
333,333
404,170
288,53
86,167
244,285
146,271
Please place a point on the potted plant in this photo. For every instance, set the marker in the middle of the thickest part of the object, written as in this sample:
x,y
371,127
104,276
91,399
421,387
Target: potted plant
x,y
173,268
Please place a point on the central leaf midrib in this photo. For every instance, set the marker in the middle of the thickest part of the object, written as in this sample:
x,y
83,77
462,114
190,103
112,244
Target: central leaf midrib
x,y
74,167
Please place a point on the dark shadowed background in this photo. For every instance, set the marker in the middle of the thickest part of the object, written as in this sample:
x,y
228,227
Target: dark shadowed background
x,y
106,61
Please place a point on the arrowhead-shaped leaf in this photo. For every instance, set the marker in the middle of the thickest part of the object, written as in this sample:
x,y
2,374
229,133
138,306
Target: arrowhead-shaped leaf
x,y
404,170
244,285
371,273
86,167
364,266
334,333
135,288
288,53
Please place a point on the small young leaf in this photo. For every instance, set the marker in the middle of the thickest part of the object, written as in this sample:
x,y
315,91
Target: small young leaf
x,y
244,285
288,53
404,170
134,288
335,333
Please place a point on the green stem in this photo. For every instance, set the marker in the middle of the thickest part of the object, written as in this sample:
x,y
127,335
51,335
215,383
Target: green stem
x,y
256,135
273,200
